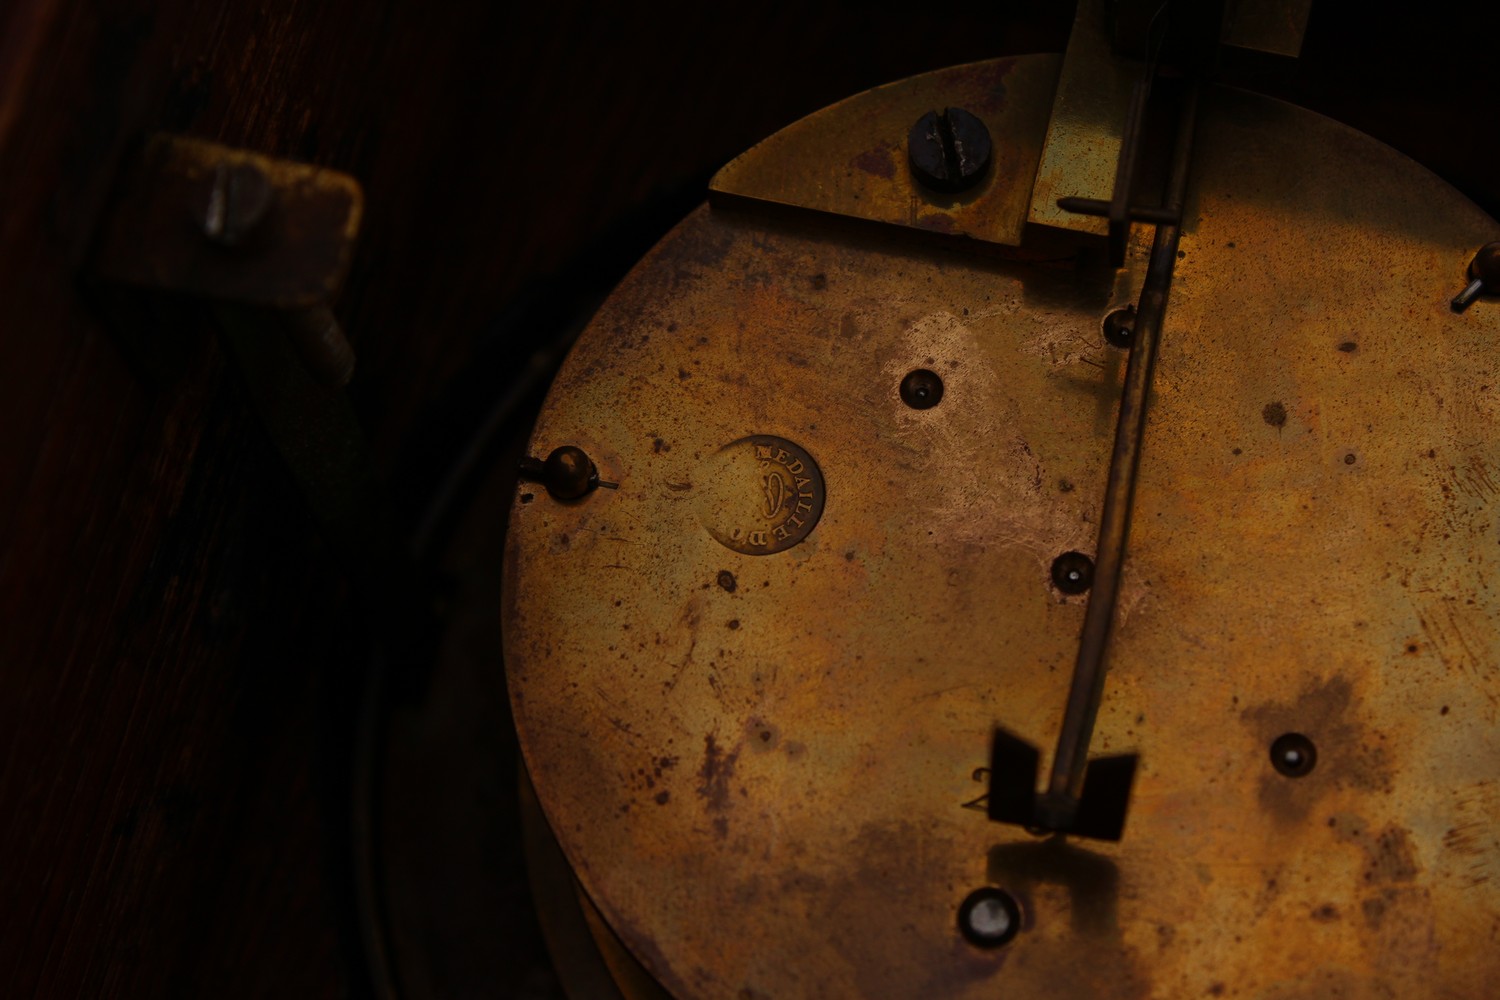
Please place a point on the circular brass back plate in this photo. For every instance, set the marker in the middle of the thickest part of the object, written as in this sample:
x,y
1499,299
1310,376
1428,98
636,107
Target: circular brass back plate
x,y
767,768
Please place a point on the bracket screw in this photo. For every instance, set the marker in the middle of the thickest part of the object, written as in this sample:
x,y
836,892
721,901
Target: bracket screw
x,y
949,151
239,199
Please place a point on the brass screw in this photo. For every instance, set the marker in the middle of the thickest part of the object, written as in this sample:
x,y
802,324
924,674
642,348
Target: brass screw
x,y
1484,277
567,474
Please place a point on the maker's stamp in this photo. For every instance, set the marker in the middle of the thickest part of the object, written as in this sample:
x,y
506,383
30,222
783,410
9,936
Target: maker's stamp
x,y
764,495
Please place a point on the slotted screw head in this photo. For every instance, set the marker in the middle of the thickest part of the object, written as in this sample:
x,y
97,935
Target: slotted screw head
x,y
239,199
949,150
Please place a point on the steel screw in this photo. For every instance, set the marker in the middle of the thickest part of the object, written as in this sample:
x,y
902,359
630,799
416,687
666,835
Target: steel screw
x,y
949,151
1484,277
989,918
239,199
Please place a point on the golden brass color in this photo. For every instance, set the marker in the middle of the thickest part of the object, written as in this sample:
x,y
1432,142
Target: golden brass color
x,y
767,772
850,159
1087,124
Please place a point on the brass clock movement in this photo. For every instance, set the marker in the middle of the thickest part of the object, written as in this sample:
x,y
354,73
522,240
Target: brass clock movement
x,y
1030,534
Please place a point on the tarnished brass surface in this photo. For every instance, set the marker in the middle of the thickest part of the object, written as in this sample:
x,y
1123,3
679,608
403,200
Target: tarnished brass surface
x,y
766,771
1082,148
588,956
851,159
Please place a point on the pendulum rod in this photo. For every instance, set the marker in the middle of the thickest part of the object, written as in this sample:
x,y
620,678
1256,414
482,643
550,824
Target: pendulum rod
x,y
1059,806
